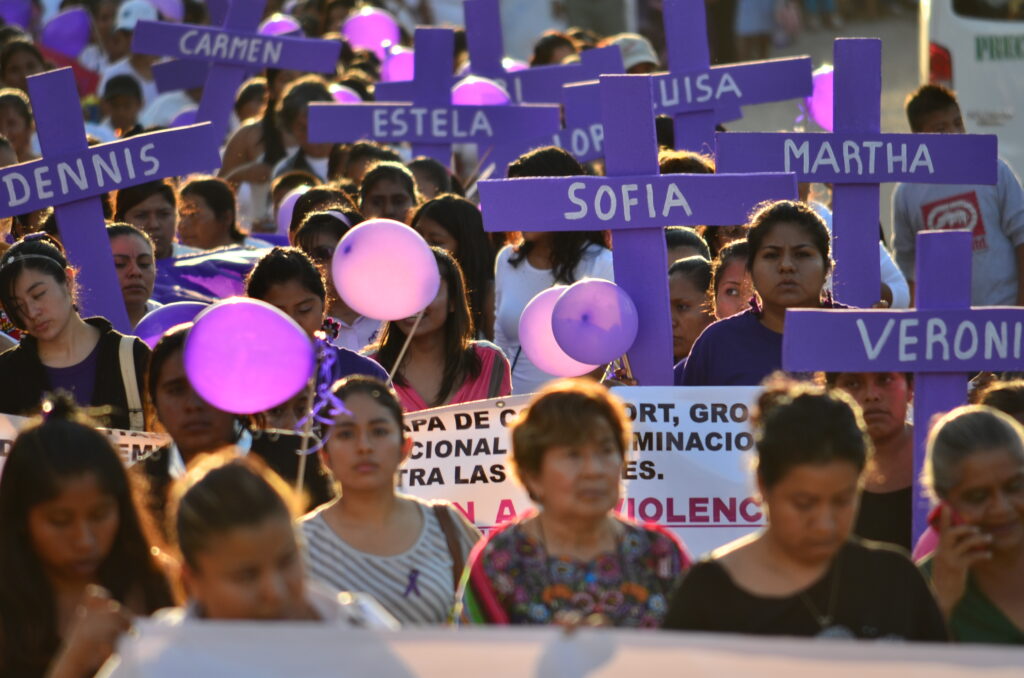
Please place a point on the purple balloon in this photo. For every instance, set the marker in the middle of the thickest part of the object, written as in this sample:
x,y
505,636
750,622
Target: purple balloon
x,y
819,104
186,117
159,320
245,356
17,12
279,24
476,91
399,66
172,10
594,321
68,32
345,95
287,208
373,29
538,340
385,270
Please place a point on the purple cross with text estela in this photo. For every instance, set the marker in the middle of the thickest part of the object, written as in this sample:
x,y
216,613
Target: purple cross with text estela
x,y
939,342
856,158
234,51
71,176
429,121
636,202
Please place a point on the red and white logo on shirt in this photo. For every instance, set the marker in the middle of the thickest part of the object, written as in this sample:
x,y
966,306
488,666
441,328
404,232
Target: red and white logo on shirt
x,y
956,213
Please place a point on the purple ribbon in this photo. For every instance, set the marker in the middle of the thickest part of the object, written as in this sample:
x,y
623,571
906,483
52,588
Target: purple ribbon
x,y
413,585
326,406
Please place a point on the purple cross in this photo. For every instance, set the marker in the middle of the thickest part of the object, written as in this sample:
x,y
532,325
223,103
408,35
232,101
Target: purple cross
x,y
71,176
856,159
175,74
940,341
637,203
234,51
429,121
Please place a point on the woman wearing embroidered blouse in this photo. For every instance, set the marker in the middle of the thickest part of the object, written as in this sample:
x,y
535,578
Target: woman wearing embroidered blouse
x,y
804,574
574,559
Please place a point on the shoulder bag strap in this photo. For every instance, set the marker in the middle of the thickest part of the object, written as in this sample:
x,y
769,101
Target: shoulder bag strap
x,y
444,517
126,352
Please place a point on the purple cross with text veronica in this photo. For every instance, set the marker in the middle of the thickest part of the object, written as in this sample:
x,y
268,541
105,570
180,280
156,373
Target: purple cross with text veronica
x,y
429,121
939,342
71,176
636,203
234,51
856,159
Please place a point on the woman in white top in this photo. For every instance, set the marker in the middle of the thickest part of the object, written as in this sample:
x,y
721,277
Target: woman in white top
x,y
406,553
539,261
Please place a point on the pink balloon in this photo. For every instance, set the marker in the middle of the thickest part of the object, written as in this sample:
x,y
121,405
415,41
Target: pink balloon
x,y
279,24
243,356
287,208
155,323
186,117
68,32
476,91
538,340
345,95
385,270
172,10
399,65
819,104
595,321
373,29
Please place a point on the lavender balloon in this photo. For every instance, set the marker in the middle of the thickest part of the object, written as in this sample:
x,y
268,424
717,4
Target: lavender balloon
x,y
476,91
819,104
68,32
385,270
538,340
279,24
399,65
171,10
159,320
594,321
373,29
345,95
245,356
287,208
17,12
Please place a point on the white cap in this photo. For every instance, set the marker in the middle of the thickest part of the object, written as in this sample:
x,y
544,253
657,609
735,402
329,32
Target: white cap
x,y
132,12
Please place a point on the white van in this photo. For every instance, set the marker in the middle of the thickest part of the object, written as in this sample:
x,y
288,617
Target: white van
x,y
976,47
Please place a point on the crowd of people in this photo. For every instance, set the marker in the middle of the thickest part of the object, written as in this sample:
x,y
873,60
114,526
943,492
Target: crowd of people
x,y
209,526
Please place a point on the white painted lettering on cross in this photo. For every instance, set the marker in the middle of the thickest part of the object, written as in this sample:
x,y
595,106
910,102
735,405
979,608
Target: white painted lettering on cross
x,y
855,159
608,205
1000,340
253,50
439,123
695,89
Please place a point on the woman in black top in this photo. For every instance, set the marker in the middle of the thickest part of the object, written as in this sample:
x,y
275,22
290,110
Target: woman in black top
x,y
804,575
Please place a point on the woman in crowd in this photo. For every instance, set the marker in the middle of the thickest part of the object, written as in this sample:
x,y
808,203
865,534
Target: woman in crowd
x,y
538,261
18,60
286,278
405,552
975,469
444,364
575,558
718,237
432,178
61,349
456,225
688,283
136,268
207,218
318,237
803,574
152,207
17,123
552,48
293,117
731,288
321,199
388,191
73,553
789,260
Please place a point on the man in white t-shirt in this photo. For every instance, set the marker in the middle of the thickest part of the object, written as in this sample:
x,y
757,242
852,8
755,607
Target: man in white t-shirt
x,y
138,66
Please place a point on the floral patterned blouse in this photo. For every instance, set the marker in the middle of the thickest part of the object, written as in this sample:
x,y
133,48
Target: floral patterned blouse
x,y
510,579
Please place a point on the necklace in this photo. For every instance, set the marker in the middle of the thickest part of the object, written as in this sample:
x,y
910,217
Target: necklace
x,y
825,621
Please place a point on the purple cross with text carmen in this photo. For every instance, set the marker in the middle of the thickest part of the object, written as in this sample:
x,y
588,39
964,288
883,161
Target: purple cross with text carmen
x,y
939,342
71,176
173,74
636,203
856,159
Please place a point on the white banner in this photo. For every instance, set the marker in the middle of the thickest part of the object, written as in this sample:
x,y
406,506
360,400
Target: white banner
x,y
688,470
133,446
284,650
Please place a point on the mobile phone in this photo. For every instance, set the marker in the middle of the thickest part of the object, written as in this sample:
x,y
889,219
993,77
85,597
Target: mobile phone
x,y
935,516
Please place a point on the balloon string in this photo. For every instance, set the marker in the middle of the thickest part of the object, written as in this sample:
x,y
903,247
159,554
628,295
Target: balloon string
x,y
405,347
307,433
324,406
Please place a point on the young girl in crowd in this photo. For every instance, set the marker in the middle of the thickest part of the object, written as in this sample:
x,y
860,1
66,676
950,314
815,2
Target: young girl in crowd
x,y
456,225
73,555
444,364
61,349
287,279
539,261
17,123
688,283
975,470
803,574
136,268
388,191
789,260
731,288
575,558
207,218
405,552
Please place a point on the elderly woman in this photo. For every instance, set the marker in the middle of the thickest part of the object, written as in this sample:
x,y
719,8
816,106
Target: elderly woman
x,y
975,468
574,559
